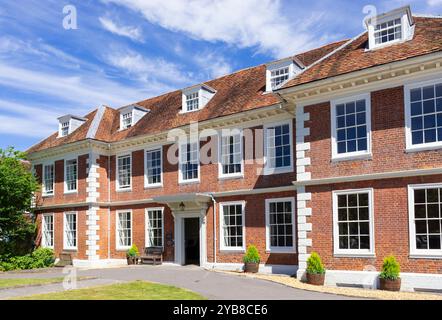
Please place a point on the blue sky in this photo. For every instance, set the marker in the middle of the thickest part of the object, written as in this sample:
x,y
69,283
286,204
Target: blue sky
x,y
124,51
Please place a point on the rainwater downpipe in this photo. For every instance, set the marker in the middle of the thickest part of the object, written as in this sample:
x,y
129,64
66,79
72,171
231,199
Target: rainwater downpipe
x,y
108,202
214,230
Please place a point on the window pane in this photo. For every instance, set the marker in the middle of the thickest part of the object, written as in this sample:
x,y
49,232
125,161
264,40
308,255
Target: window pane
x,y
281,224
278,146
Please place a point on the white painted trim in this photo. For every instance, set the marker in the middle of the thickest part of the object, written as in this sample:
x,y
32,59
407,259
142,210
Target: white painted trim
x,y
436,79
66,191
117,184
44,193
43,228
221,226
154,185
181,181
146,217
414,252
269,248
267,170
117,240
371,176
65,246
354,252
221,175
357,154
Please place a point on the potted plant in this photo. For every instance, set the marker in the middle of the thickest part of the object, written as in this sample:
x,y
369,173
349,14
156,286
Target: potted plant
x,y
132,255
251,260
389,277
315,270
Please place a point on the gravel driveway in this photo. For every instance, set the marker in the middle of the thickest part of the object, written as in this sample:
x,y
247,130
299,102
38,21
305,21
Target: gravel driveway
x,y
213,285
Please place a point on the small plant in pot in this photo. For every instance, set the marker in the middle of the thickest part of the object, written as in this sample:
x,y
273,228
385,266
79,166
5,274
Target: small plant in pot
x,y
315,270
251,260
132,255
389,277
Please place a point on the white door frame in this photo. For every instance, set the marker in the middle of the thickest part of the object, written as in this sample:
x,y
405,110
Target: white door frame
x,y
179,236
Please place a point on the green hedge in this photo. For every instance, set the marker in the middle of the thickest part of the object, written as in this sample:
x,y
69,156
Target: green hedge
x,y
40,258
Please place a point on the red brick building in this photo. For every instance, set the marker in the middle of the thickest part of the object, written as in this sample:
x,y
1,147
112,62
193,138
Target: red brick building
x,y
336,150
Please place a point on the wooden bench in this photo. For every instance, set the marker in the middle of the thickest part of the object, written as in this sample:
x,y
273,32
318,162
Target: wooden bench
x,y
152,255
65,259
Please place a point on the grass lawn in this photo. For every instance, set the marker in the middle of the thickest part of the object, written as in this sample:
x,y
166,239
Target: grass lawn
x,y
23,282
138,290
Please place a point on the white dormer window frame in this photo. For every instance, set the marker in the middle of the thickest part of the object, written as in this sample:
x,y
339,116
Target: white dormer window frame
x,y
196,98
279,72
64,129
126,120
68,124
390,28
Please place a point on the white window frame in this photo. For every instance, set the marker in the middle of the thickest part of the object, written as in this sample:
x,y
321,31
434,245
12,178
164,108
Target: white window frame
x,y
240,174
45,193
146,219
146,180
197,99
65,125
390,42
414,252
122,125
363,253
43,230
223,247
66,191
65,245
278,65
268,170
269,248
358,155
117,239
117,182
407,97
181,179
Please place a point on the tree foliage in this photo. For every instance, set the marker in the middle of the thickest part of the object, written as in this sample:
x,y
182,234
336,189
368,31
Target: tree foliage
x,y
17,185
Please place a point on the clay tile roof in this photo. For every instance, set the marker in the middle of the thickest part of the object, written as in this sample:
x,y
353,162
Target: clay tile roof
x,y
353,57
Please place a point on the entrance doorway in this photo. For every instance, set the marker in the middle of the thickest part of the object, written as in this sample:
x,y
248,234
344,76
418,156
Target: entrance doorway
x,y
192,241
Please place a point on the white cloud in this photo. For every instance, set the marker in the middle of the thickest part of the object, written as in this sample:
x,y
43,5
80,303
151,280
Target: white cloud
x,y
215,65
133,33
247,23
434,3
86,90
147,69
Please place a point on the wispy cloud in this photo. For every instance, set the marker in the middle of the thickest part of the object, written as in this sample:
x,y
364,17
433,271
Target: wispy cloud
x,y
249,23
215,65
434,3
130,32
147,69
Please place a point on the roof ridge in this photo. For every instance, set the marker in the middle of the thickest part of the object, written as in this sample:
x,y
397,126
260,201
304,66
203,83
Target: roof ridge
x,y
328,55
424,15
92,131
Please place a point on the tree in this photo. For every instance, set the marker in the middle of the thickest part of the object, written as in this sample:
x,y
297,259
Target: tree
x,y
17,186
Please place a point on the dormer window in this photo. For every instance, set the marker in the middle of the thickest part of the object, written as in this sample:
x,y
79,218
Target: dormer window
x,y
127,120
130,115
388,31
68,124
64,129
195,98
279,76
390,28
279,72
192,101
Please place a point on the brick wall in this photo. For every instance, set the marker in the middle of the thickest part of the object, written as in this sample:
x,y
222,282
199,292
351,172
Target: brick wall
x,y
388,140
391,225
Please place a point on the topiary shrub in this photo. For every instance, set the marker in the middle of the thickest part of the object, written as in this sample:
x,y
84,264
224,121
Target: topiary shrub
x,y
390,269
314,264
133,251
252,255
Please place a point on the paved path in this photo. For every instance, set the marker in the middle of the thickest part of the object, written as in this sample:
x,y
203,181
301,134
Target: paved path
x,y
213,285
